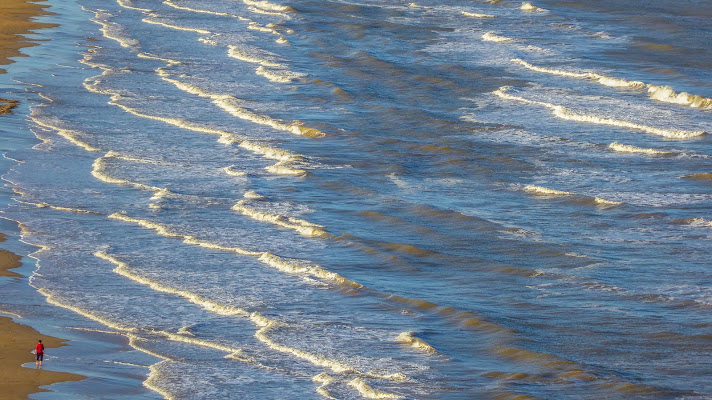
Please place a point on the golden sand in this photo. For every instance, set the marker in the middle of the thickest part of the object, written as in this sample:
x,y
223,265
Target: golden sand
x,y
16,344
16,20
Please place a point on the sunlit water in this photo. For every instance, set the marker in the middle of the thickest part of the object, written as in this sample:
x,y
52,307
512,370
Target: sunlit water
x,y
343,199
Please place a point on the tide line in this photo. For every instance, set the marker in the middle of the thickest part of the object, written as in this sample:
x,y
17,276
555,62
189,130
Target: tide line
x,y
543,191
476,15
661,93
281,168
230,104
300,226
625,148
566,114
151,20
261,322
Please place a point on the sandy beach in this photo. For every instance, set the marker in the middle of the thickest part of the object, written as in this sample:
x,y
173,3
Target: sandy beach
x,y
16,20
16,344
17,340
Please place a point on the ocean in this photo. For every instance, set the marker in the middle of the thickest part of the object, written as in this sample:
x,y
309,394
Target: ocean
x,y
373,199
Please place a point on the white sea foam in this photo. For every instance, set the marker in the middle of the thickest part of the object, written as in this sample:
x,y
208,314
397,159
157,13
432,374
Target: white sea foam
x,y
624,148
365,390
232,171
252,56
128,4
233,106
124,270
668,95
153,21
112,30
566,114
300,226
416,343
540,190
195,10
325,380
656,92
529,7
279,75
70,135
604,80
52,299
603,202
476,15
492,37
251,194
98,167
267,6
283,168
225,137
699,222
169,61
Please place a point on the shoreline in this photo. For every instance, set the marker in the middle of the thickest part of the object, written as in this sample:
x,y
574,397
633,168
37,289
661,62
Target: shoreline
x,y
17,340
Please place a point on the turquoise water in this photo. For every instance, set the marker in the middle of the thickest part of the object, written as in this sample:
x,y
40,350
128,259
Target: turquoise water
x,y
431,200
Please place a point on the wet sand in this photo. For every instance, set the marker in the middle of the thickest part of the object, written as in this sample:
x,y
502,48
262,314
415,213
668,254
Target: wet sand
x,y
16,340
16,344
15,21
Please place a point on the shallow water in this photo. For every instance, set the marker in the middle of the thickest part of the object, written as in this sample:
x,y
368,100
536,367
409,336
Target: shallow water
x,y
350,199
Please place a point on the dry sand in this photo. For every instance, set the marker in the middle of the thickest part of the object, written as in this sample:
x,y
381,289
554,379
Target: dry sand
x,y
16,340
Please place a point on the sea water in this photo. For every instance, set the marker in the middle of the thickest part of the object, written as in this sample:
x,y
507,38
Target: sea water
x,y
380,199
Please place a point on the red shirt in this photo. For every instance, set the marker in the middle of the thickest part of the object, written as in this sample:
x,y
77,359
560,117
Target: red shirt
x,y
39,348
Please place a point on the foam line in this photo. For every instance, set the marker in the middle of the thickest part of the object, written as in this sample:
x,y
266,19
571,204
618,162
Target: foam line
x,y
170,3
529,7
168,61
225,137
603,80
414,342
492,37
148,20
476,15
566,114
232,171
699,222
240,54
67,134
325,381
263,323
267,6
540,190
231,105
279,76
52,299
624,148
112,30
300,226
58,208
656,92
366,391
123,269
127,4
98,172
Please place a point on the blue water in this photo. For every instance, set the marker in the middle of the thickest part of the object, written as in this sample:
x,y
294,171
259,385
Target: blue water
x,y
344,199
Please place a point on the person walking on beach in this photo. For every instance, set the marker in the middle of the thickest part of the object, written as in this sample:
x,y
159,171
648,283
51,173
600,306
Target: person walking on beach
x,y
39,350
